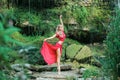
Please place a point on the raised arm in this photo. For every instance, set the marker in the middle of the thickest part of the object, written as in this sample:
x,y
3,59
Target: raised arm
x,y
61,22
50,37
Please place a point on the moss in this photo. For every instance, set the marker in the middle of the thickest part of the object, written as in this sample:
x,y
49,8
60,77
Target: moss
x,y
83,53
72,50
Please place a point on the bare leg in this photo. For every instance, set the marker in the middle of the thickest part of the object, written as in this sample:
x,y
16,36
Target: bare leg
x,y
58,60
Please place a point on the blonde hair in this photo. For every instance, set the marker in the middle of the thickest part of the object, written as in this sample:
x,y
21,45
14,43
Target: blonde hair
x,y
57,28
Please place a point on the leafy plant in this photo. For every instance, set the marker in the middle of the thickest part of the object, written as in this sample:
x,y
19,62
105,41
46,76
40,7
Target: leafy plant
x,y
112,55
6,42
91,72
81,14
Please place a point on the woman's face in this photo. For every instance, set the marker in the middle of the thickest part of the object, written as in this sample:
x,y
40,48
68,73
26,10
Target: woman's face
x,y
60,28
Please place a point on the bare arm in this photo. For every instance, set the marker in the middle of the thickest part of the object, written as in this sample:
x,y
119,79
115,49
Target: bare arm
x,y
61,22
50,37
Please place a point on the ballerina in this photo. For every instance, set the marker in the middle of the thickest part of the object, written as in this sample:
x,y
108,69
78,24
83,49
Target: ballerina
x,y
52,53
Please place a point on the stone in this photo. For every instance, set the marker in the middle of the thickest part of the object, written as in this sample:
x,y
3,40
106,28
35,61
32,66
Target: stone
x,y
21,75
17,67
85,52
29,72
28,49
80,79
20,67
82,70
44,79
72,50
64,67
89,79
54,75
27,65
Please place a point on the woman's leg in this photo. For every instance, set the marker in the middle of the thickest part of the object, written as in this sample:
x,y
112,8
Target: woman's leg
x,y
58,60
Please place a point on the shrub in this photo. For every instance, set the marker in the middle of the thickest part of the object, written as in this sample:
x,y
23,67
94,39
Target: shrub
x,y
6,43
112,55
91,72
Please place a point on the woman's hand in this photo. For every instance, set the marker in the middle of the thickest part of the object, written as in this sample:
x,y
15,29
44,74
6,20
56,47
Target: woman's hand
x,y
45,39
61,22
60,16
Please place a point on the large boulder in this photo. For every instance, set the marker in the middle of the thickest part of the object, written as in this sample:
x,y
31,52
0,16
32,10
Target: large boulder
x,y
85,52
72,50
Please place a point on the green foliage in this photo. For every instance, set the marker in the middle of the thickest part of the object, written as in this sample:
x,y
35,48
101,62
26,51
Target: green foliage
x,y
81,15
25,15
6,42
34,57
91,72
99,19
3,76
5,35
112,42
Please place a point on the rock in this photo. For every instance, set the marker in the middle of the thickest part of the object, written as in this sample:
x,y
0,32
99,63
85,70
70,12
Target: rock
x,y
29,72
21,75
82,70
89,79
80,79
54,75
85,52
72,50
17,67
20,67
44,79
53,67
100,78
75,64
29,49
27,65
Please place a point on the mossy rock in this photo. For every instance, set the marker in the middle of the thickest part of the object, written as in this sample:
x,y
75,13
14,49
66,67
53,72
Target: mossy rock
x,y
85,52
72,50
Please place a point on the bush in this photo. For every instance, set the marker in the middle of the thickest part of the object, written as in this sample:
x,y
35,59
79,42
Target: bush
x,y
91,72
112,55
6,43
81,14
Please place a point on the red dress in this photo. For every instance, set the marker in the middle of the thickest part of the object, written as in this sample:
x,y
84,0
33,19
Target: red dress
x,y
48,50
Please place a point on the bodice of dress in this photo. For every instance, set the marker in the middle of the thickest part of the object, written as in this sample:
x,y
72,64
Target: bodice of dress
x,y
61,37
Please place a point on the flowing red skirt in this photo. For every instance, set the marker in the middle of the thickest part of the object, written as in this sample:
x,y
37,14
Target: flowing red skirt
x,y
48,52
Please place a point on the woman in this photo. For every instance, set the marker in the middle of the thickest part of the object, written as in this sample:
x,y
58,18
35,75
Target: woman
x,y
52,53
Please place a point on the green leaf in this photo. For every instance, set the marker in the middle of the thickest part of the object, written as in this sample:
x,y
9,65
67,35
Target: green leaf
x,y
1,26
9,31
